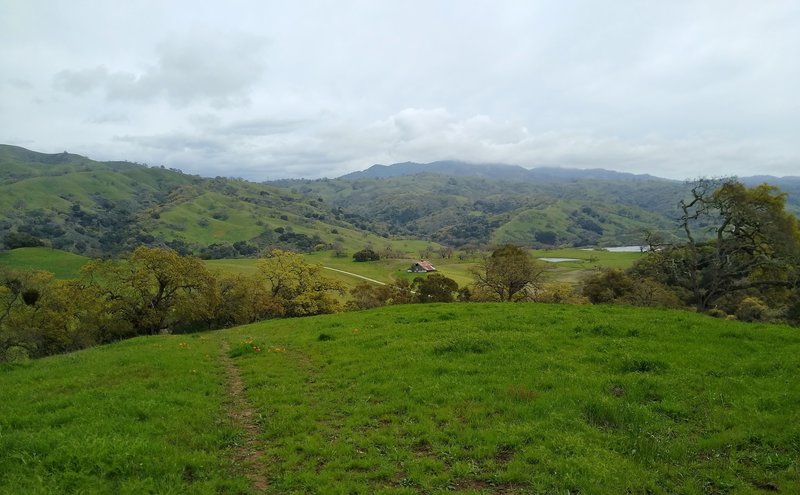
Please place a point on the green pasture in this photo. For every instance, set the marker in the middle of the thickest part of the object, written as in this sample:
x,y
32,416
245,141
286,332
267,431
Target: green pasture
x,y
67,265
61,263
525,398
142,416
458,398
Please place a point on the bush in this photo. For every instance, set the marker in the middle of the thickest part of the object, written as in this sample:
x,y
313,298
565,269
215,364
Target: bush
x,y
558,293
717,313
607,286
16,240
751,309
366,255
648,292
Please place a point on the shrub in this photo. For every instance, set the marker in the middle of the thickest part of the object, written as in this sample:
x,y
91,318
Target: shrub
x,y
751,309
717,313
558,292
366,255
16,240
607,286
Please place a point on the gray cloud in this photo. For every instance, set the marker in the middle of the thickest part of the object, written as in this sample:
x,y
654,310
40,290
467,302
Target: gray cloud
x,y
331,147
217,67
675,89
108,118
261,127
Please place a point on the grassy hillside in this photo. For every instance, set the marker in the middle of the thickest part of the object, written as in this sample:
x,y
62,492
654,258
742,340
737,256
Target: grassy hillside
x,y
95,208
141,416
71,202
475,398
468,210
60,263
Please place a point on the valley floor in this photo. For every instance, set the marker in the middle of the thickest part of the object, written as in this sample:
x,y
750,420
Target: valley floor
x,y
475,398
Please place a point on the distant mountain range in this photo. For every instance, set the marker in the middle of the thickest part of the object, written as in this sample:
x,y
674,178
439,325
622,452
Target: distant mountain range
x,y
496,171
97,208
542,175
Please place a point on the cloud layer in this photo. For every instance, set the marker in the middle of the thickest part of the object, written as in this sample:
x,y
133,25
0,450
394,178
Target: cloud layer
x,y
267,91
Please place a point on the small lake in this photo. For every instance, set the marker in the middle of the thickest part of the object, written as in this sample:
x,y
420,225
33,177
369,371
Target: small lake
x,y
621,249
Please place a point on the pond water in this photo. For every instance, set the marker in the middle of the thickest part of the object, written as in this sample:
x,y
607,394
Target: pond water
x,y
620,249
627,249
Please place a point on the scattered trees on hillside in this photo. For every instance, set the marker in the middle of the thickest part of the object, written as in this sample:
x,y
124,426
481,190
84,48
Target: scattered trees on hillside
x,y
14,240
154,290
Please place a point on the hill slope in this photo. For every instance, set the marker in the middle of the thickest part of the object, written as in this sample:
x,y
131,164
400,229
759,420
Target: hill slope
x,y
459,203
476,210
102,208
493,398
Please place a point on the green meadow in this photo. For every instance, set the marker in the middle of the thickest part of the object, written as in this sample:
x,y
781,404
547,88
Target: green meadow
x,y
147,415
60,263
67,265
458,398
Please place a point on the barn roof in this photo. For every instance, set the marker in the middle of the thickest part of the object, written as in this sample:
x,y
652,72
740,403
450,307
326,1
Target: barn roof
x,y
425,265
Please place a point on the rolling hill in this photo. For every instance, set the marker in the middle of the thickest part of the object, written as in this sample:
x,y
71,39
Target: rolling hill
x,y
459,398
460,204
99,209
467,210
102,208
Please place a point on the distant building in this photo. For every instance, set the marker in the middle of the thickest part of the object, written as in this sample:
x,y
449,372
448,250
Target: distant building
x,y
422,266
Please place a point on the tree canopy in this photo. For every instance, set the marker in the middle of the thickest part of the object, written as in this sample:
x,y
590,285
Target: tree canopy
x,y
507,271
738,240
298,288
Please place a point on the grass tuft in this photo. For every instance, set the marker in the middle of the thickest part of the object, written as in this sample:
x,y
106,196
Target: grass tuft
x,y
640,365
463,346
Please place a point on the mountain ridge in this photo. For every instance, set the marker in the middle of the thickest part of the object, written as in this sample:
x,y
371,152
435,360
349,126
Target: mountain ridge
x,y
498,171
103,208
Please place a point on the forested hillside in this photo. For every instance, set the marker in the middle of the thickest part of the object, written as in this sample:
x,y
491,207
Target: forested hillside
x,y
71,202
478,210
460,204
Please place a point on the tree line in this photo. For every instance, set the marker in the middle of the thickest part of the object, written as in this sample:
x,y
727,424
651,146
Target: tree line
x,y
155,290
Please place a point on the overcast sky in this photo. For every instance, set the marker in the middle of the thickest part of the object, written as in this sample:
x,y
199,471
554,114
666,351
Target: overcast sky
x,y
275,89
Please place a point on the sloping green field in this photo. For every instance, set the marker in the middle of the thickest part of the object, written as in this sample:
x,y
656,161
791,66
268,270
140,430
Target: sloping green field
x,y
459,398
61,263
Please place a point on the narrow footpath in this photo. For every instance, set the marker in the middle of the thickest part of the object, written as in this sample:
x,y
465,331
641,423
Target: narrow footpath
x,y
247,456
354,275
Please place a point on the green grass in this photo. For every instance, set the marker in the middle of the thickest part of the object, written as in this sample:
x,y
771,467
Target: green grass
x,y
459,398
458,270
526,399
67,265
588,262
142,416
61,263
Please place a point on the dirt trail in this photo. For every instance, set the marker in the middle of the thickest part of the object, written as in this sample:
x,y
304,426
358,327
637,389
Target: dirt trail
x,y
355,275
246,455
